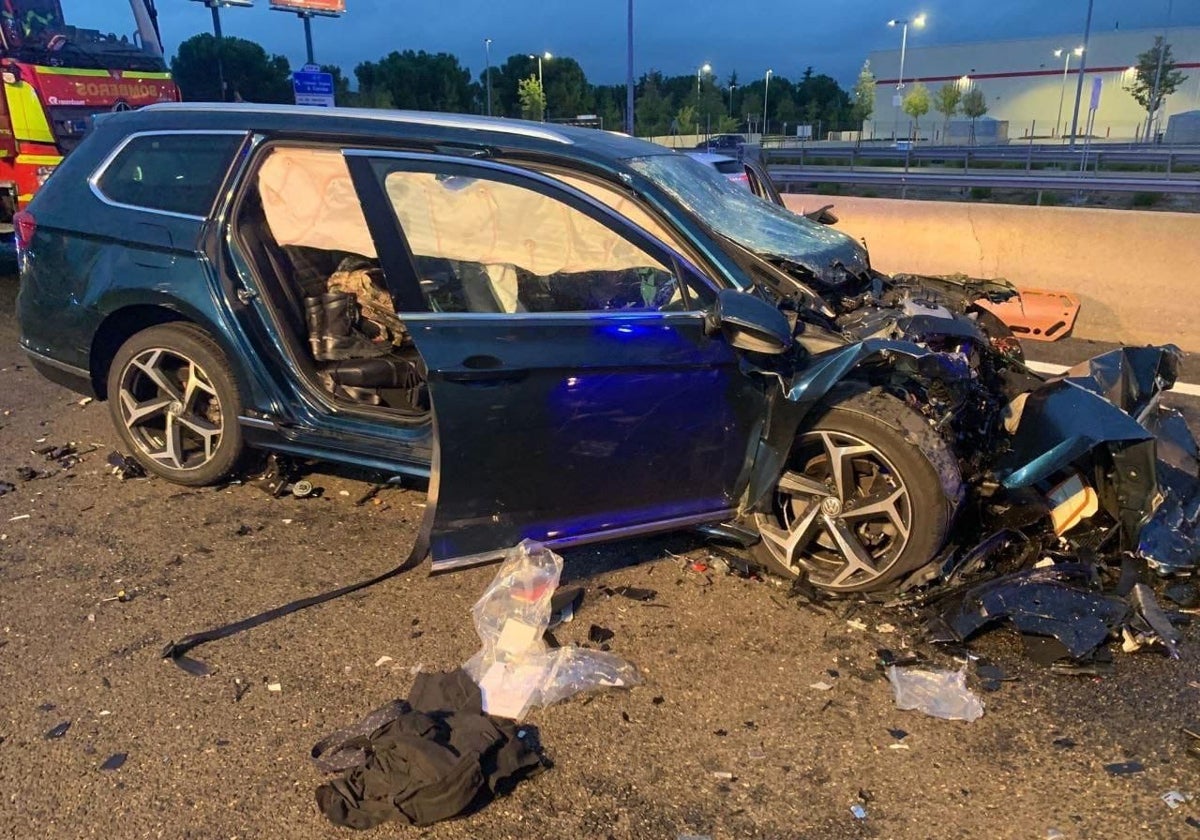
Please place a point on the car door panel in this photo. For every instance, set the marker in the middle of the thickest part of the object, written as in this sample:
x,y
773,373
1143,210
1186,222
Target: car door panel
x,y
568,426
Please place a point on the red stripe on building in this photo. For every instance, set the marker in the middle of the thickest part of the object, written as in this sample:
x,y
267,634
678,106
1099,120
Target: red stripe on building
x,y
1025,74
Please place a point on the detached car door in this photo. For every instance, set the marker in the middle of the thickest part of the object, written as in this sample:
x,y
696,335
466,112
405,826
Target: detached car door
x,y
576,393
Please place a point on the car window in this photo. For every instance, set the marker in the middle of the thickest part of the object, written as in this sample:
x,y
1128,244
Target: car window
x,y
175,173
728,167
484,245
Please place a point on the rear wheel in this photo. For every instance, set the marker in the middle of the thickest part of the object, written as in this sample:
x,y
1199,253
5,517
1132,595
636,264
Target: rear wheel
x,y
174,400
867,496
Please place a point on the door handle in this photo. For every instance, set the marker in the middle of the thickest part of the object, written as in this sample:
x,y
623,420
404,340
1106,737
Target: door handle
x,y
482,369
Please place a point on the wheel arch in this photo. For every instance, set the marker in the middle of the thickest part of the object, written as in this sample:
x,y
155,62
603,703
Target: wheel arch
x,y
127,317
850,369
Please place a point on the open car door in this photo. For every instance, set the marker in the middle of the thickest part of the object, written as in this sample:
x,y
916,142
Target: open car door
x,y
577,394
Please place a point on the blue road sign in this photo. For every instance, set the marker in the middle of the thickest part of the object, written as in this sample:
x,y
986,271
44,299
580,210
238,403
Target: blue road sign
x,y
313,88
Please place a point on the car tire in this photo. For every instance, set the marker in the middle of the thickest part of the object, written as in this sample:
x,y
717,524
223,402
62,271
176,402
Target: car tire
x,y
175,402
889,512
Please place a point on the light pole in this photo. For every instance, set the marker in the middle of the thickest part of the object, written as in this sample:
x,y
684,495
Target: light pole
x,y
487,57
629,77
1087,34
732,85
541,83
918,22
704,68
766,95
1063,91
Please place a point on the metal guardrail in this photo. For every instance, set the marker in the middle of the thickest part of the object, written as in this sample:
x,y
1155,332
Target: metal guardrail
x,y
1091,157
787,176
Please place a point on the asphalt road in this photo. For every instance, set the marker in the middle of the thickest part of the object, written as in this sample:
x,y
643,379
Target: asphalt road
x,y
730,667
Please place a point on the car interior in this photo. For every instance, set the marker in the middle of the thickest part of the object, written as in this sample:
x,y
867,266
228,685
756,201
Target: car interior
x,y
303,229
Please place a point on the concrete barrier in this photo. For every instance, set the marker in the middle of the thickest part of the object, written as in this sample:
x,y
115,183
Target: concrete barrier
x,y
1136,272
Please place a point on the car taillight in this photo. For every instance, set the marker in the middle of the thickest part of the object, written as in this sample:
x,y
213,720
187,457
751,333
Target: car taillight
x,y
24,226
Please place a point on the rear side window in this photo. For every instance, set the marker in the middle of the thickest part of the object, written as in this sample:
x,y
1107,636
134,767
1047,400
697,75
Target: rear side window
x,y
728,167
174,173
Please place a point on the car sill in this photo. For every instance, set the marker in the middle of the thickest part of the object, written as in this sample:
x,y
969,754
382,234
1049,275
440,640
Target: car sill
x,y
454,563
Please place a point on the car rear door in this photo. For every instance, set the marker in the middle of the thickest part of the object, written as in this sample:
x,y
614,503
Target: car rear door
x,y
577,394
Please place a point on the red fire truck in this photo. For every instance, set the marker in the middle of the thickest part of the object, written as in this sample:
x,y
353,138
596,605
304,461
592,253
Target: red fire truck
x,y
61,63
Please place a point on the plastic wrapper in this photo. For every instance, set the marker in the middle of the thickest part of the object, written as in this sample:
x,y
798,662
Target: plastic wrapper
x,y
940,694
515,670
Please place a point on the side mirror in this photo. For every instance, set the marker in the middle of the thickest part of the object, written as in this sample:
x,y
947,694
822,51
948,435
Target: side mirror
x,y
750,323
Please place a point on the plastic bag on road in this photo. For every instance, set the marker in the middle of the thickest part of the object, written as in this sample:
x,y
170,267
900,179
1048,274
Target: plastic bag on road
x,y
515,669
940,694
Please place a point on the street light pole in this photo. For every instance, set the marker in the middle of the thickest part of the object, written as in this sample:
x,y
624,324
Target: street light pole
x,y
766,96
1087,34
918,22
732,85
487,57
704,68
541,82
1062,93
629,77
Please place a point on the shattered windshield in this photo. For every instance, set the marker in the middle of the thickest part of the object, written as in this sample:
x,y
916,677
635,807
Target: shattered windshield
x,y
762,227
83,33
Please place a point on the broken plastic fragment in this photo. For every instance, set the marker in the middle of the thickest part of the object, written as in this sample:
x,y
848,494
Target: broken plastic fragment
x,y
114,761
383,660
1144,602
274,686
821,686
58,731
1072,501
1124,768
1173,799
859,812
940,694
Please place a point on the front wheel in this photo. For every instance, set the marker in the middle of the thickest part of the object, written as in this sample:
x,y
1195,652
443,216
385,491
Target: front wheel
x,y
174,401
868,495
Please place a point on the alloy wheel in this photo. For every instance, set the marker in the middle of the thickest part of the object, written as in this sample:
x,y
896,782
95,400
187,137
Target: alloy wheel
x,y
843,512
171,409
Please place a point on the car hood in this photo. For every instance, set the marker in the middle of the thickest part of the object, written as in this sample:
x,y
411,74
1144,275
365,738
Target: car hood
x,y
770,231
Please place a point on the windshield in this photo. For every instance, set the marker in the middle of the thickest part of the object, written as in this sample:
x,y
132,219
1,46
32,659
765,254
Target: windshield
x,y
764,228
113,35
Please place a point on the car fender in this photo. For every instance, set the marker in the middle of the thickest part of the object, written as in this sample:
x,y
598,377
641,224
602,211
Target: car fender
x,y
795,397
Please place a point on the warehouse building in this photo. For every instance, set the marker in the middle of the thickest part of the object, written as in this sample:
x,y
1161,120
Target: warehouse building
x,y
1030,85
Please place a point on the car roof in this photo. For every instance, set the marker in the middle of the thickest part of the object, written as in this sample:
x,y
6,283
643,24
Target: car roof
x,y
559,140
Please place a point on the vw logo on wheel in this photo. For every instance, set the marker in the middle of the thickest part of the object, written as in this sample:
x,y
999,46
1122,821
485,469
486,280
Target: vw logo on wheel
x,y
121,105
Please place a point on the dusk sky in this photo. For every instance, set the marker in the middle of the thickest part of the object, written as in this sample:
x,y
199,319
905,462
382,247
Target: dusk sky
x,y
674,37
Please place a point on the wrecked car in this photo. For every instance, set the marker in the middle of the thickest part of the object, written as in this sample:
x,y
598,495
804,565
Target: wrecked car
x,y
575,335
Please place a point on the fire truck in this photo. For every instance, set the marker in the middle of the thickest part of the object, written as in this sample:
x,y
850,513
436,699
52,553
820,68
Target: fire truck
x,y
62,62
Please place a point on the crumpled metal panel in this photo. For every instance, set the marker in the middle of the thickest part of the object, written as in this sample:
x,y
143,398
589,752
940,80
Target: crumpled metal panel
x,y
1170,541
1037,314
1131,377
1055,601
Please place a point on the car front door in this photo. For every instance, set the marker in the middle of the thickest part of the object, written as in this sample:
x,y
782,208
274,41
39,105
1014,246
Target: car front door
x,y
577,393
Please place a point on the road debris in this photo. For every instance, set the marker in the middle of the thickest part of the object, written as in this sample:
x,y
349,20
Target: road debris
x,y
125,467
859,812
58,731
1173,799
940,694
1124,768
383,660
515,669
6,488
114,761
425,759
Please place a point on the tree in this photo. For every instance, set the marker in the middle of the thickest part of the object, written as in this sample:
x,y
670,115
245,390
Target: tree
x,y
653,111
685,118
916,105
864,96
568,93
1155,78
418,80
786,111
532,97
974,105
946,102
250,74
